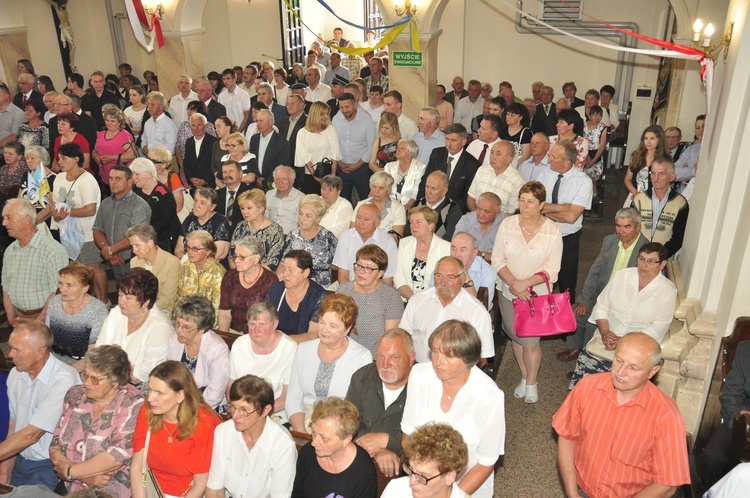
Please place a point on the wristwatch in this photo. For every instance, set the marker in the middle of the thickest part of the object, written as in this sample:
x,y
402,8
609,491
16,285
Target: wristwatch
x,y
468,284
109,251
68,477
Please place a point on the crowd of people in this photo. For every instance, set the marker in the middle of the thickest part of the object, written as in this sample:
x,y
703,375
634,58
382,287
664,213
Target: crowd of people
x,y
346,246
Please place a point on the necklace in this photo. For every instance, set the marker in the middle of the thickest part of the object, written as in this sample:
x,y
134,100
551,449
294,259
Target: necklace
x,y
527,232
245,279
169,434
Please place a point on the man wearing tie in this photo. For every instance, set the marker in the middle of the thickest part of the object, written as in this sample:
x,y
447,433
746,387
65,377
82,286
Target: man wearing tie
x,y
226,203
569,193
545,115
489,134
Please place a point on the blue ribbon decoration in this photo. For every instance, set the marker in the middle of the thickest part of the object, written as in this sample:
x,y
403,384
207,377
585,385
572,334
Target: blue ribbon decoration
x,y
401,21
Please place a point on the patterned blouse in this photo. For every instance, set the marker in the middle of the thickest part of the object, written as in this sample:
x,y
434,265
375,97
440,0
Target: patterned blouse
x,y
74,333
582,146
322,248
217,225
34,136
205,282
386,154
271,236
80,438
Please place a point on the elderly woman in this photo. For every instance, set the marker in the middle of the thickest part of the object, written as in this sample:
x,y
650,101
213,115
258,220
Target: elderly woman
x,y
67,124
434,456
385,146
239,450
323,367
204,217
134,112
114,145
452,389
198,347
174,434
392,214
338,210
200,273
267,352
406,172
224,127
332,464
313,238
35,131
33,186
380,305
164,265
247,283
238,151
526,245
160,200
419,253
258,226
184,132
93,443
135,326
73,315
316,141
297,298
643,288
570,127
162,159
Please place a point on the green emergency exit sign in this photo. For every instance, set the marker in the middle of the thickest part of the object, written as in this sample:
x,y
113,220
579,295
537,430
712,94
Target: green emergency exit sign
x,y
407,59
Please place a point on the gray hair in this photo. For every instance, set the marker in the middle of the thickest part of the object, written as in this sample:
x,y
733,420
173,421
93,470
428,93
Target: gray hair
x,y
397,333
318,204
472,239
629,213
290,170
262,308
196,309
197,115
143,165
253,245
267,86
410,145
39,152
667,161
333,181
382,177
433,113
144,232
157,96
268,114
111,361
39,334
490,197
456,128
23,207
189,78
200,79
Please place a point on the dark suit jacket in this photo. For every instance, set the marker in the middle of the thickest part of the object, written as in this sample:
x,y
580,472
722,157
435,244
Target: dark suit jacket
x,y
86,127
279,112
577,102
334,105
199,167
598,276
215,111
35,95
284,128
460,181
451,97
449,212
277,153
221,203
680,149
543,123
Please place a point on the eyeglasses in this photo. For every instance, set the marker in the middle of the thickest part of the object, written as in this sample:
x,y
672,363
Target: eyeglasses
x,y
185,328
240,257
449,278
196,249
364,268
91,378
641,259
242,411
232,146
423,480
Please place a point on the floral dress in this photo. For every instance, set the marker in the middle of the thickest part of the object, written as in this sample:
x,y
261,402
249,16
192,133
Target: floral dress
x,y
386,153
271,236
594,137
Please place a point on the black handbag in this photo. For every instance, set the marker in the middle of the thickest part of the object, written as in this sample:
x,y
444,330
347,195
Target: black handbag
x,y
323,167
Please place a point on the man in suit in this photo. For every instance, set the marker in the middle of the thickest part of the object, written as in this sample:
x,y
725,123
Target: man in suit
x,y
274,150
461,169
27,92
226,204
265,95
205,91
545,115
458,92
290,126
619,250
197,160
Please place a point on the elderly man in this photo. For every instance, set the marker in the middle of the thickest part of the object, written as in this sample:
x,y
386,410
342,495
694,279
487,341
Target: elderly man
x,y
569,193
269,148
366,231
11,117
178,103
460,166
488,134
316,91
447,300
392,102
435,197
619,251
265,95
376,77
536,91
235,99
198,150
336,70
531,168
464,247
26,91
226,202
356,134
664,211
469,106
429,137
458,92
673,141
86,124
118,212
619,435
283,201
92,102
483,223
205,92
30,264
159,129
498,177
545,116
378,391
36,390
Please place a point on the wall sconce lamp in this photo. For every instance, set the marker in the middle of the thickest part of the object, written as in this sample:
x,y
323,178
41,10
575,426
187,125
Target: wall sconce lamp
x,y
711,50
408,10
154,9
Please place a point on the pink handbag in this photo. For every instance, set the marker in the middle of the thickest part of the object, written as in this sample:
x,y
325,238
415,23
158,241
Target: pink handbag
x,y
544,316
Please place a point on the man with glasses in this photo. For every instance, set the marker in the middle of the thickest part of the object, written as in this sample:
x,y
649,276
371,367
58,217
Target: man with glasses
x,y
673,141
448,300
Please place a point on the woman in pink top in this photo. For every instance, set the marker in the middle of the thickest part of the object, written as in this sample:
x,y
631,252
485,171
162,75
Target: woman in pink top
x,y
114,145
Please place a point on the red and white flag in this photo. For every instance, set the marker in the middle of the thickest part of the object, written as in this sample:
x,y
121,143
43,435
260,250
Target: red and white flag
x,y
138,19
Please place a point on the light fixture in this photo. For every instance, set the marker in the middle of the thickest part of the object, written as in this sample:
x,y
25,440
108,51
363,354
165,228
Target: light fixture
x,y
153,9
408,10
705,45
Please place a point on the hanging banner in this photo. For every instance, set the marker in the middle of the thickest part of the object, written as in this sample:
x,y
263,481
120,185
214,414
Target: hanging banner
x,y
138,17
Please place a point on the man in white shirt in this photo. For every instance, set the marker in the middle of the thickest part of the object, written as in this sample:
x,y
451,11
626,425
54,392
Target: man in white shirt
x,y
498,177
430,136
178,103
282,202
470,106
235,99
316,91
159,129
531,168
488,135
336,69
447,300
481,274
374,105
249,74
392,102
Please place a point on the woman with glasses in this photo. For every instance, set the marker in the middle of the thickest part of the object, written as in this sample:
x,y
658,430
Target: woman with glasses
x,y
434,456
256,225
203,352
174,434
419,253
200,274
250,444
643,288
333,464
526,244
92,444
380,306
204,217
238,151
452,389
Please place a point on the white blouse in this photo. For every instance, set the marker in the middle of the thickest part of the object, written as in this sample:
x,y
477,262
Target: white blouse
x,y
313,147
411,181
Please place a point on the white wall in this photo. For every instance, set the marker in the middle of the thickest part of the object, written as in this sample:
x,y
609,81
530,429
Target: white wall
x,y
322,21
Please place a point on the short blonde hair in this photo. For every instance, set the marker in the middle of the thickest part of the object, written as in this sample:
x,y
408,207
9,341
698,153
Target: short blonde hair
x,y
240,138
205,238
342,411
318,204
254,196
